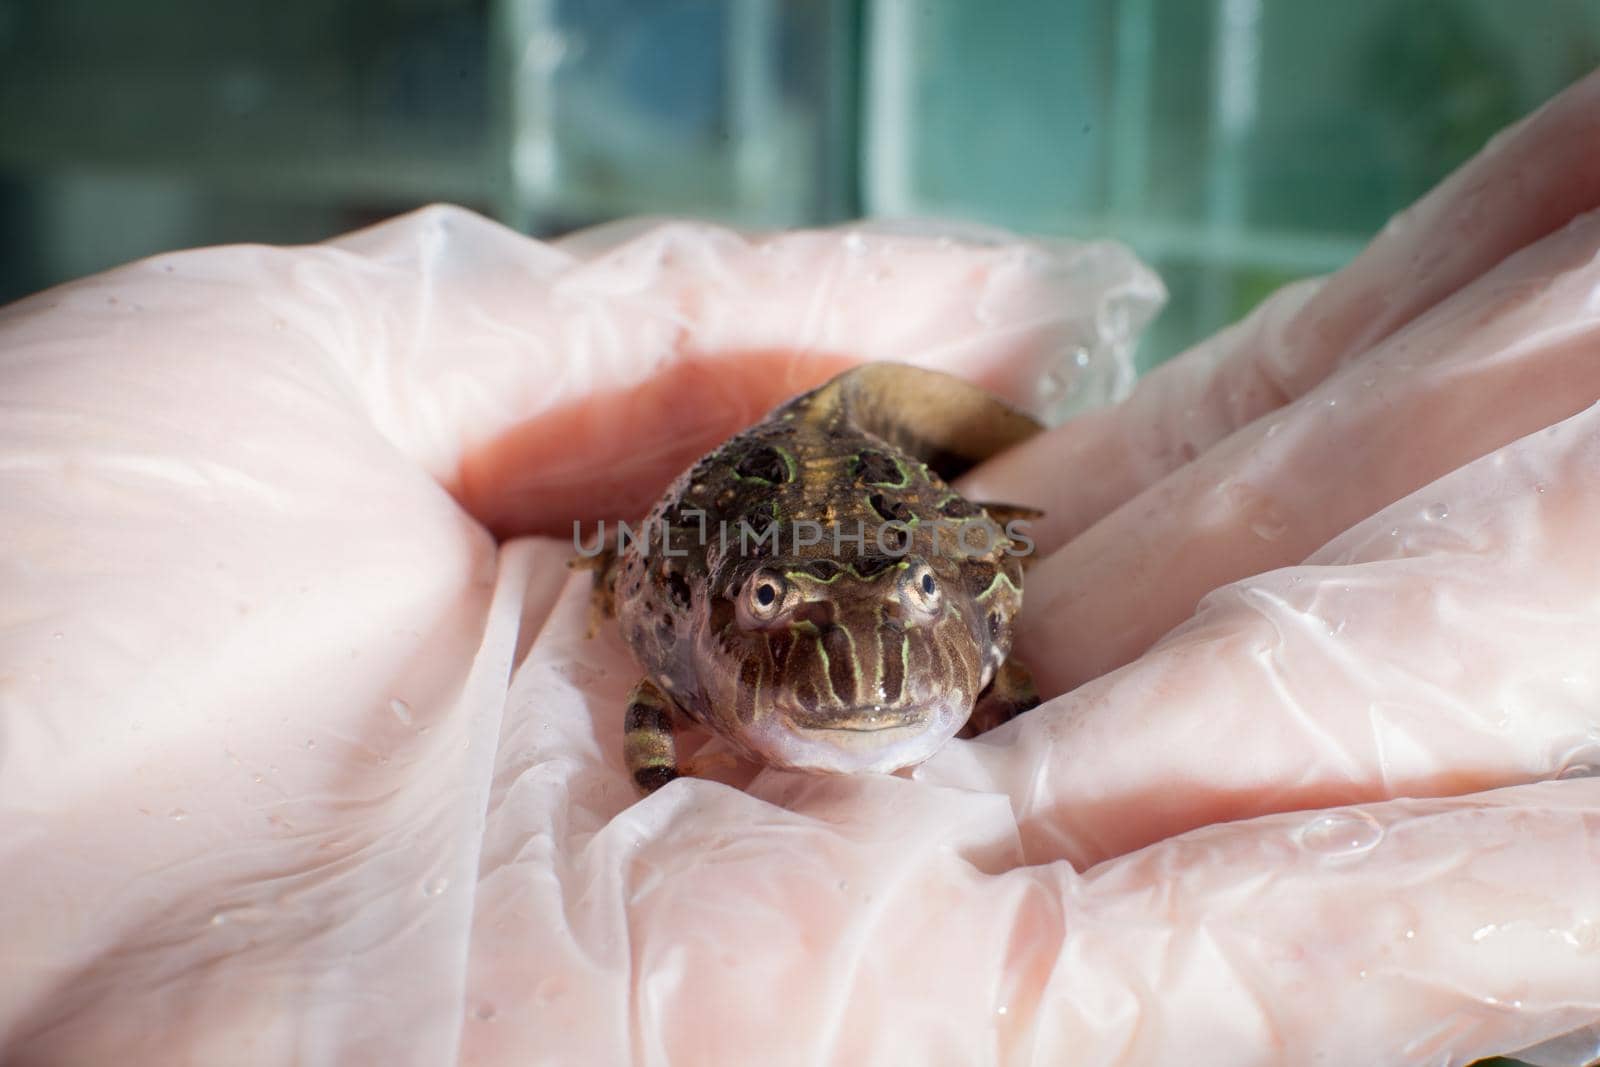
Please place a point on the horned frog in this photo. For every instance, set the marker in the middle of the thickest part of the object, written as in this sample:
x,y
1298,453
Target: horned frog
x,y
817,594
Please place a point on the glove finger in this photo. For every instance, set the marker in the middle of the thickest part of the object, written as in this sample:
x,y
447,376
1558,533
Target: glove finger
x,y
1506,356
1443,645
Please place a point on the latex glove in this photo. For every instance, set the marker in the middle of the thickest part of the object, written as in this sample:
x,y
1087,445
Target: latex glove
x,y
315,773
284,730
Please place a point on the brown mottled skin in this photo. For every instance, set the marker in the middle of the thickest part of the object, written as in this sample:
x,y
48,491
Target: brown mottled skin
x,y
833,656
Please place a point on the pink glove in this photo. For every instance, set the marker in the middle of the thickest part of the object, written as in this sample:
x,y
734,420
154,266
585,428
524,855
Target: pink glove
x,y
298,765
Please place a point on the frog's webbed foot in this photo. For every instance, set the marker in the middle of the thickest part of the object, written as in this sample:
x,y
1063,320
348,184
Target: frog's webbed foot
x,y
1009,695
648,747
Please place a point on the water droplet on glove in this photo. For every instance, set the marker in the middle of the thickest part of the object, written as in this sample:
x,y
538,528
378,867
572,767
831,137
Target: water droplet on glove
x,y
1341,833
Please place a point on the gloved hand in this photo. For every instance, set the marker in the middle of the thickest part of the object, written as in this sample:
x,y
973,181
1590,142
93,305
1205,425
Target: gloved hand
x,y
297,764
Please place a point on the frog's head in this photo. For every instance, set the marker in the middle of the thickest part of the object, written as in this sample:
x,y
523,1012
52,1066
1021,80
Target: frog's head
x,y
868,663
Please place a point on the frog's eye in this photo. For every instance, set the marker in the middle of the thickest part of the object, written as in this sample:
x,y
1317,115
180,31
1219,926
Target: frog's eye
x,y
922,587
764,595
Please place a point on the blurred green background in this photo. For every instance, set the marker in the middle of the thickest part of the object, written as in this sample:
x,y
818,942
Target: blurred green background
x,y
1236,144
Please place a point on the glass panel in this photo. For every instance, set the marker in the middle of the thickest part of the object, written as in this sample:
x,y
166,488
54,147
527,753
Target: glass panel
x,y
740,111
1229,142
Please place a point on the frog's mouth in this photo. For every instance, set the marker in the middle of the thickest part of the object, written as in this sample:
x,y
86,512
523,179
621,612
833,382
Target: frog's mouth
x,y
867,739
867,720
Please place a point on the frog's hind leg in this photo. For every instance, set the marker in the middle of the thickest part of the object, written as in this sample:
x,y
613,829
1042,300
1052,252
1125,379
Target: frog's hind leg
x,y
1009,695
949,424
648,747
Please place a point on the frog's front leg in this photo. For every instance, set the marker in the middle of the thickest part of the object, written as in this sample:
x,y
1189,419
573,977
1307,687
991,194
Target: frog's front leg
x,y
647,738
1009,695
606,564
